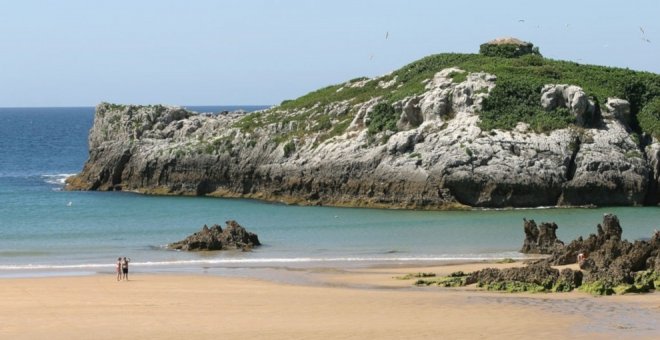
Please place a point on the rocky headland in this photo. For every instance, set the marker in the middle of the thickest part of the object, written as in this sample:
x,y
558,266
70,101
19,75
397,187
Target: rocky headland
x,y
448,131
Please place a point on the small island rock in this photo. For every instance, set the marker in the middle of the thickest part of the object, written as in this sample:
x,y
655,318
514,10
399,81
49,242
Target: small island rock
x,y
234,236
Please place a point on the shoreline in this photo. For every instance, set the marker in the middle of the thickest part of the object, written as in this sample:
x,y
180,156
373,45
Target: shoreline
x,y
223,267
335,302
71,184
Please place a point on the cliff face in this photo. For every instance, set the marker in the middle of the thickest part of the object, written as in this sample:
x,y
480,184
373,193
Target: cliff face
x,y
327,154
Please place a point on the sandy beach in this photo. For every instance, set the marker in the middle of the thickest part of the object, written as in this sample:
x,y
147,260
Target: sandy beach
x,y
340,304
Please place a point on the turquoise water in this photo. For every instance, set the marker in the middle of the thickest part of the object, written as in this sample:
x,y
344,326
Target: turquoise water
x,y
47,231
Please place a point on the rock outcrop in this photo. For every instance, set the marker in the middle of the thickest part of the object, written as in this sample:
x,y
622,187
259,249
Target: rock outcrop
x,y
439,158
535,277
608,264
234,236
541,239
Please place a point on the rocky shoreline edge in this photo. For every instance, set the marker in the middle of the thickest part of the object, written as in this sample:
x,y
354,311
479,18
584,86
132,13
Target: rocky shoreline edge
x,y
434,152
606,264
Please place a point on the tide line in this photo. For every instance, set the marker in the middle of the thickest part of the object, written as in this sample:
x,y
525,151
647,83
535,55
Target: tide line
x,y
254,262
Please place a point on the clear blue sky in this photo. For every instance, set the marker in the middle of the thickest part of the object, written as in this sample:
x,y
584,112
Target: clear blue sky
x,y
81,52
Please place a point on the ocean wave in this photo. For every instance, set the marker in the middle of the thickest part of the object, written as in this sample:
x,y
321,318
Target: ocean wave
x,y
258,261
57,179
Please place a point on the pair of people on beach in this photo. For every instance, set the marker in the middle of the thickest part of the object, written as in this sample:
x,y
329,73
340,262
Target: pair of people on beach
x,y
122,268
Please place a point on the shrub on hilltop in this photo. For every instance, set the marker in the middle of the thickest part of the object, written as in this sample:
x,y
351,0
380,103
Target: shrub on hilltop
x,y
515,98
507,48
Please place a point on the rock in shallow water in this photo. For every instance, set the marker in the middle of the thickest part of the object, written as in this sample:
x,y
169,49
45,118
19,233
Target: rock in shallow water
x,y
234,236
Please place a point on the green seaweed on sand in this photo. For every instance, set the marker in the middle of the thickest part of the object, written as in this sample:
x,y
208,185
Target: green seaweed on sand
x,y
415,275
455,279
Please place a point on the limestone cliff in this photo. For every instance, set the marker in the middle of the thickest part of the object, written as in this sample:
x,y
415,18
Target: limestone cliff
x,y
328,151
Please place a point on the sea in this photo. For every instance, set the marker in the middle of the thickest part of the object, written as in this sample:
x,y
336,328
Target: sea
x,y
47,231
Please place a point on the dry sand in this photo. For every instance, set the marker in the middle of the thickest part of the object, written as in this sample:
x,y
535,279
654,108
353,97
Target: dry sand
x,y
345,304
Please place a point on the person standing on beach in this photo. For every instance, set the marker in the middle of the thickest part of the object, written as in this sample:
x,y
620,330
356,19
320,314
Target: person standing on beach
x,y
119,269
124,267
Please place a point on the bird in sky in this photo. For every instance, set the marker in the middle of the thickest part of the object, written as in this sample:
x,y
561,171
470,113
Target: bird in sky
x,y
643,37
521,20
387,35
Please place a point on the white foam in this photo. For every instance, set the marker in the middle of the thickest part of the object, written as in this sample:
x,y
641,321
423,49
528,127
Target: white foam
x,y
257,261
57,179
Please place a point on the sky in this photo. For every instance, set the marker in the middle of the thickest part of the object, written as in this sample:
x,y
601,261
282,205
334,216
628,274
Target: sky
x,y
260,52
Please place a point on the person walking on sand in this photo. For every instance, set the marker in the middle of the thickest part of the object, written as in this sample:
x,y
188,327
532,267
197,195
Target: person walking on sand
x,y
124,267
119,269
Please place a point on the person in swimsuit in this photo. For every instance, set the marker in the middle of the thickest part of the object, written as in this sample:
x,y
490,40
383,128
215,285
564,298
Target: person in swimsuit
x,y
124,267
118,268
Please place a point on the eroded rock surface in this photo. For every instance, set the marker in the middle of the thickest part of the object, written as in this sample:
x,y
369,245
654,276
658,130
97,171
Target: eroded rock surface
x,y
439,158
234,236
541,239
608,264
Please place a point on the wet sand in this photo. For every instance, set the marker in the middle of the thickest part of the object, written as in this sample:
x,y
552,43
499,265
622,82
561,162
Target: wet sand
x,y
340,303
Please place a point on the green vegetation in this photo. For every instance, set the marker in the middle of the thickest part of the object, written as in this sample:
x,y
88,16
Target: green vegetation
x,y
458,77
647,280
514,287
415,275
649,118
456,279
289,148
507,50
506,260
644,281
516,98
597,288
383,118
114,107
513,101
563,286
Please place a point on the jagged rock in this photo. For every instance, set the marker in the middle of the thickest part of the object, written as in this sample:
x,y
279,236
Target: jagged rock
x,y
572,97
611,229
410,113
535,277
540,239
540,274
362,116
568,280
610,261
233,236
618,109
610,265
404,142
